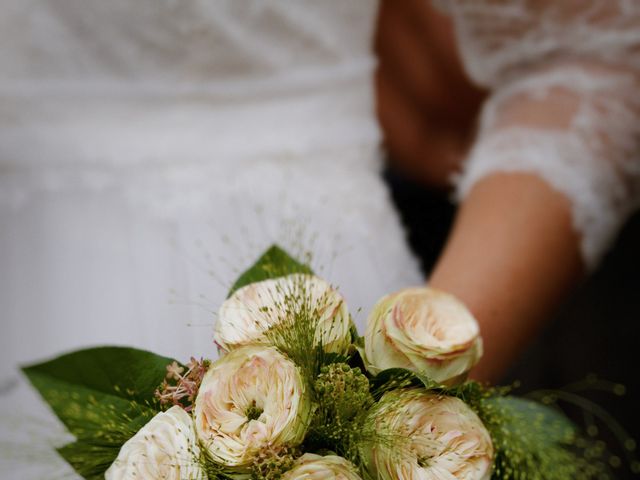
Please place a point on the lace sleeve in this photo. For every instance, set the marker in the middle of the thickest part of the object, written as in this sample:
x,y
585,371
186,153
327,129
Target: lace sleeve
x,y
565,78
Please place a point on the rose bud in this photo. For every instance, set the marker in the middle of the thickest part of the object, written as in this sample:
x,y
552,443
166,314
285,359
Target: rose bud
x,y
316,467
421,435
252,399
423,330
251,311
166,448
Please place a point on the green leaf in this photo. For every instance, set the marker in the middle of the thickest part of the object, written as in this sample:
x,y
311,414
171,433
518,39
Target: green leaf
x,y
529,438
274,263
543,424
393,378
125,372
88,460
356,339
103,396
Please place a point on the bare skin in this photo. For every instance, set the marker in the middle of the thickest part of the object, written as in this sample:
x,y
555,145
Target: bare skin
x,y
511,258
513,254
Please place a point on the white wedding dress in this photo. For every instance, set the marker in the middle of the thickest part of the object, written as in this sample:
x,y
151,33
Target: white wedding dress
x,y
150,150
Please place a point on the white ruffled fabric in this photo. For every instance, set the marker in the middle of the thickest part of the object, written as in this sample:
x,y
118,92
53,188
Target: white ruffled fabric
x,y
585,54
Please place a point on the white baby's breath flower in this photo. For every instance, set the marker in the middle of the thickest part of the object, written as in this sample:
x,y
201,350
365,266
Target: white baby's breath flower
x,y
246,316
251,400
316,467
424,330
166,448
425,436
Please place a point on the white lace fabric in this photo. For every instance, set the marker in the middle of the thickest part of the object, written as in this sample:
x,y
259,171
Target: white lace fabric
x,y
580,60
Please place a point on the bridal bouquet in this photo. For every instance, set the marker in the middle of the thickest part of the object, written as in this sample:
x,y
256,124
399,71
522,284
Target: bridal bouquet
x,y
298,394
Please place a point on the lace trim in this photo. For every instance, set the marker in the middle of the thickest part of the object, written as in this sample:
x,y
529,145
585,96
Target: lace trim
x,y
594,162
593,187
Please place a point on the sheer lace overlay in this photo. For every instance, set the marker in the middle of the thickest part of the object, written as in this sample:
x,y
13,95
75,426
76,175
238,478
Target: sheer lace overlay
x,y
564,78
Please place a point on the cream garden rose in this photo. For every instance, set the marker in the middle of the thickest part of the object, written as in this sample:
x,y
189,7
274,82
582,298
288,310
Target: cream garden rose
x,y
166,448
316,467
424,330
252,399
426,436
248,313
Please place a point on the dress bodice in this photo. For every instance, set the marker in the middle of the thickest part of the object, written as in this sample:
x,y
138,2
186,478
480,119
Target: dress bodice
x,y
173,44
132,131
106,83
160,100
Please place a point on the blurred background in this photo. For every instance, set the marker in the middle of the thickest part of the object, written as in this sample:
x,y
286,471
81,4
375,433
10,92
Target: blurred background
x,y
427,130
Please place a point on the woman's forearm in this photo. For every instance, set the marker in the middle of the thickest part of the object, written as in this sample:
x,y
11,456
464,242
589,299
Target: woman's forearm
x,y
511,258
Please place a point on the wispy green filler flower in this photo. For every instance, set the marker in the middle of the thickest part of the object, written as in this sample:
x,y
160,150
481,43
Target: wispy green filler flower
x,y
270,463
247,316
533,442
306,329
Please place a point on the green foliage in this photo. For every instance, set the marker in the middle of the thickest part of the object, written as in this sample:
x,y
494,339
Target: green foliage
x,y
103,396
343,402
344,390
274,263
342,393
394,378
295,332
271,464
533,441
